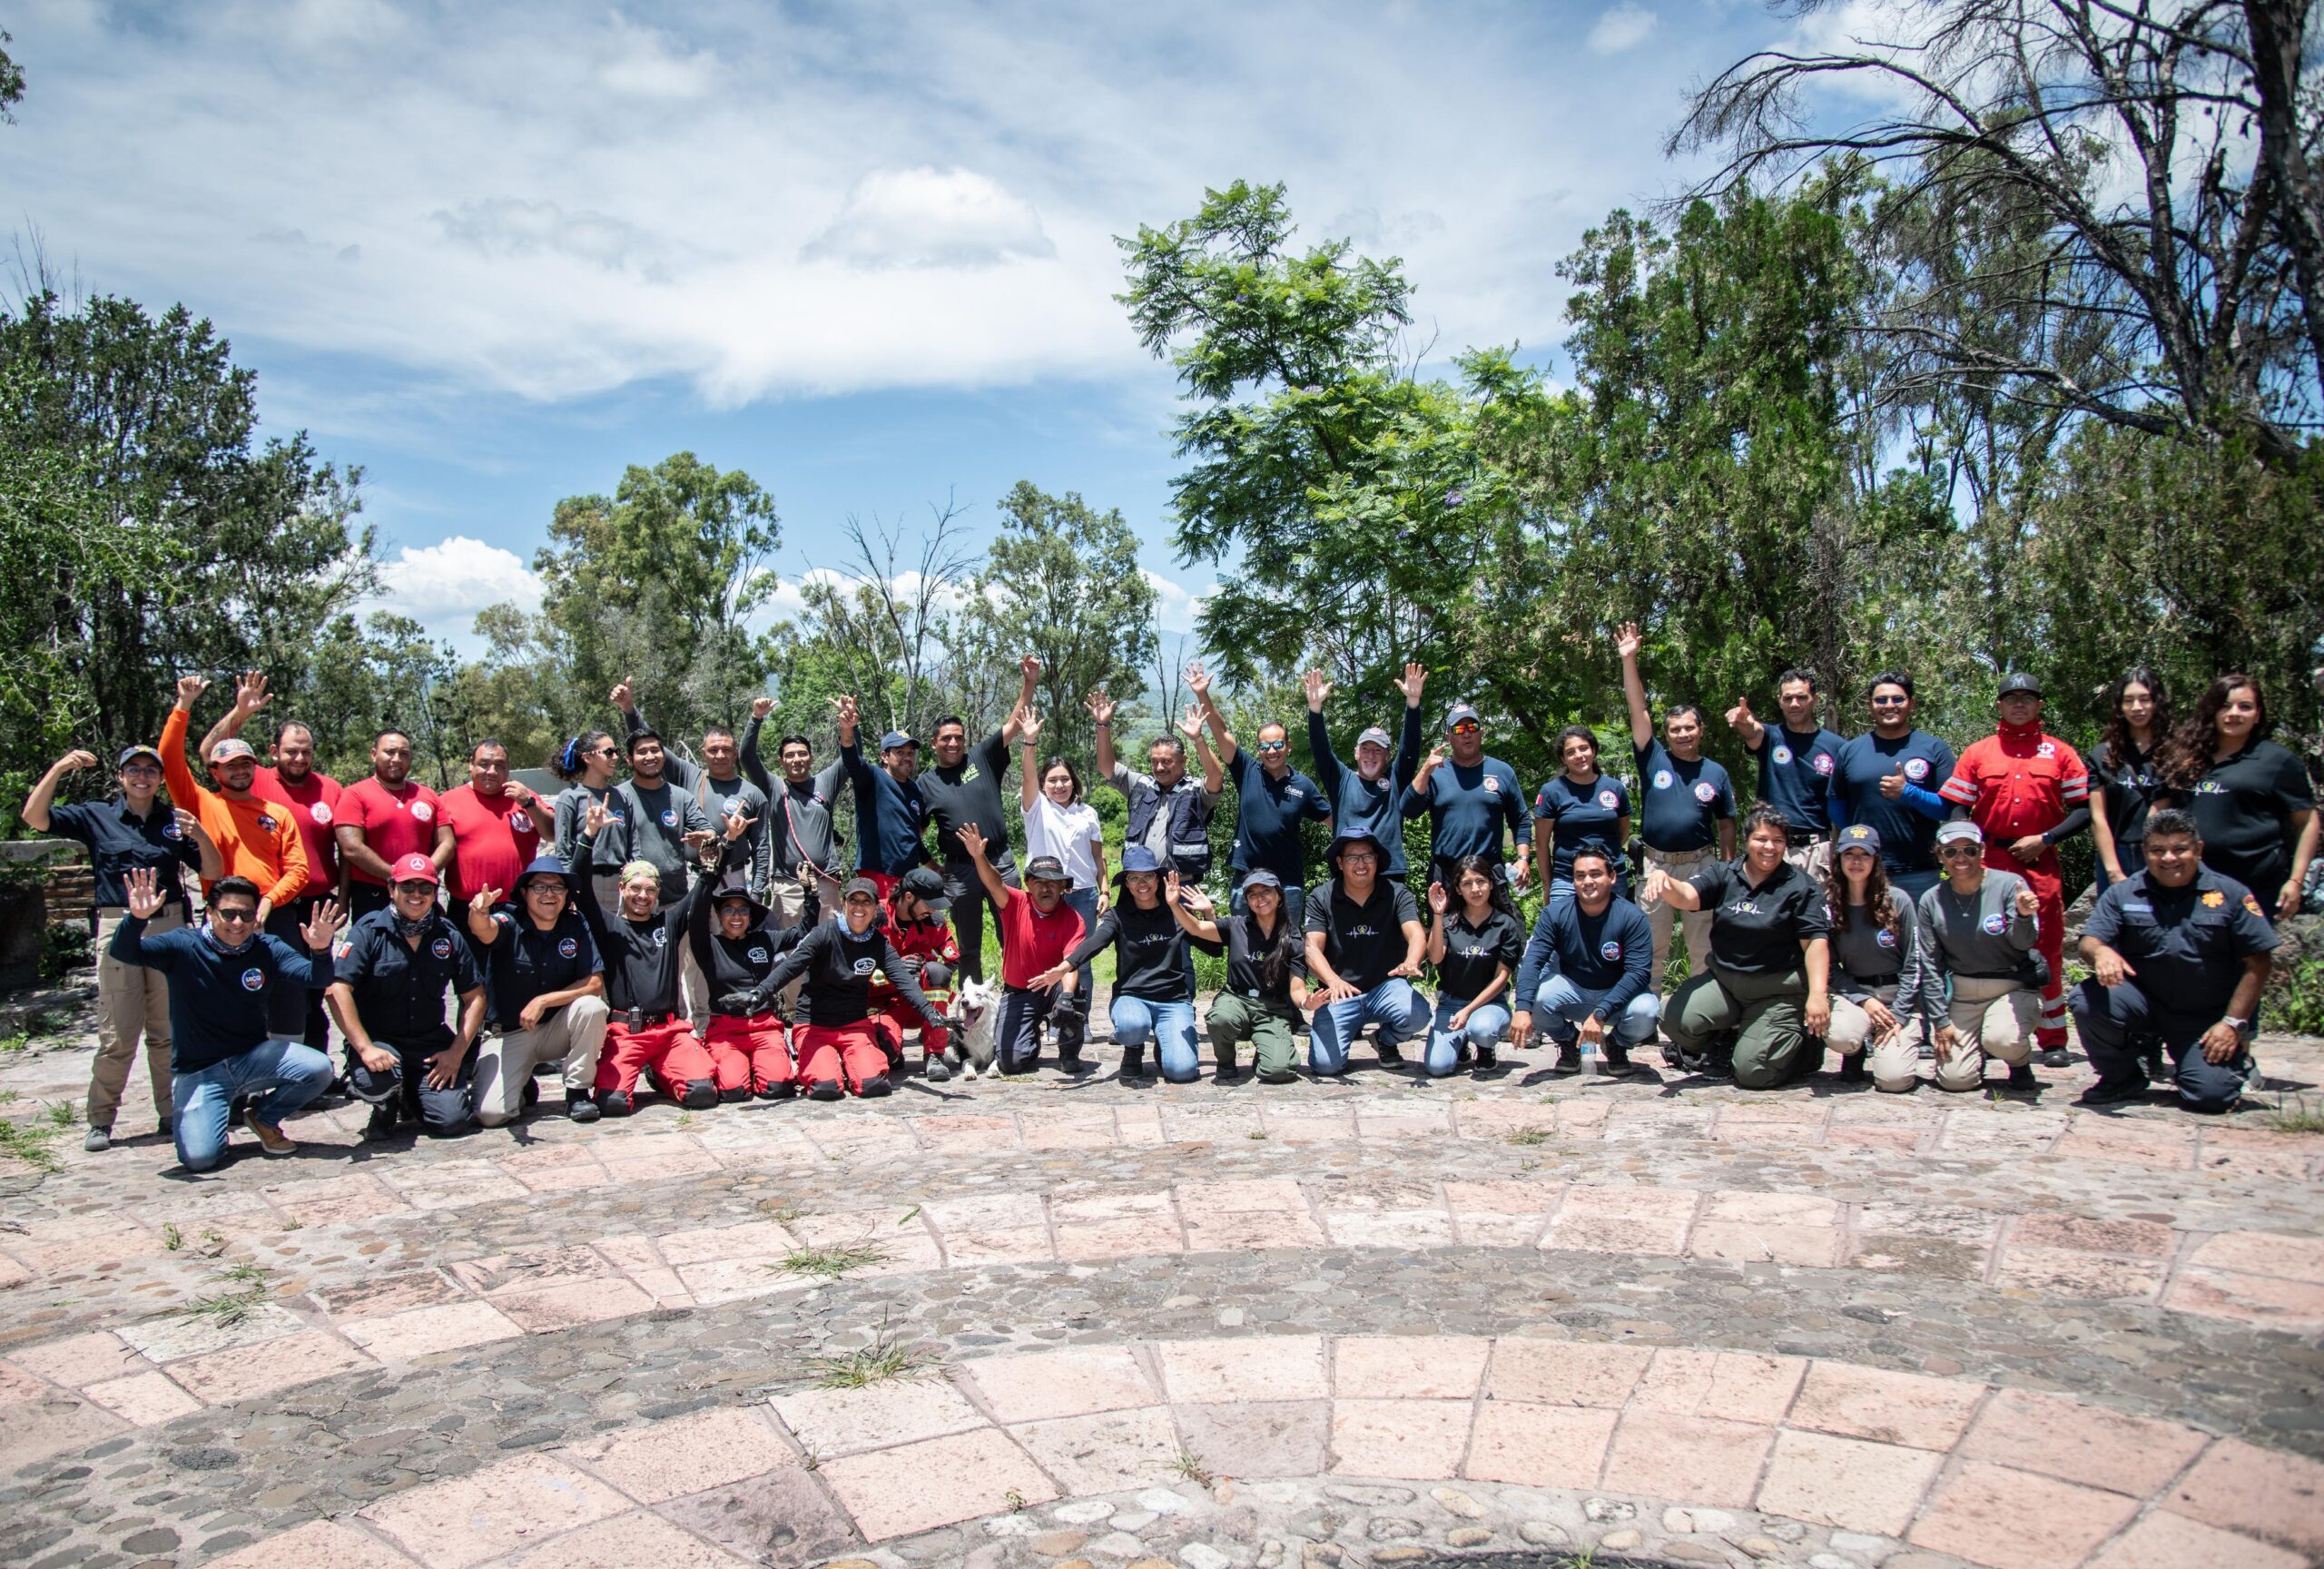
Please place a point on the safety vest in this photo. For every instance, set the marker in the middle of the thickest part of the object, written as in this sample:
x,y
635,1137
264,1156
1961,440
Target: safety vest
x,y
1189,807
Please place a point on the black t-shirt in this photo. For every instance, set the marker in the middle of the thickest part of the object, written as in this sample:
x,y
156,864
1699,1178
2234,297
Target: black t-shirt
x,y
1757,931
839,964
524,962
1149,950
968,792
2244,808
1246,954
641,957
2128,785
733,964
2187,944
1472,953
400,989
1362,942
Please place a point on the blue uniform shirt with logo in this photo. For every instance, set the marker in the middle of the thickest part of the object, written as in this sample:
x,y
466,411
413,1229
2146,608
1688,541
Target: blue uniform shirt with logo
x,y
1267,814
121,842
217,999
1468,805
1795,770
525,962
1907,825
1610,953
400,989
1579,813
2187,944
1683,801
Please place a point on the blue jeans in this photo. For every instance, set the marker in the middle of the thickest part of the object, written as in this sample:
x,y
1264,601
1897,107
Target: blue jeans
x,y
290,1072
1170,1025
1444,1042
1562,1006
1084,902
1399,1011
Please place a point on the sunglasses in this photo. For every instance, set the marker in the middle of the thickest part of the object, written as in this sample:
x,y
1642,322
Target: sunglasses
x,y
416,887
1957,851
1273,746
234,917
1466,727
1890,702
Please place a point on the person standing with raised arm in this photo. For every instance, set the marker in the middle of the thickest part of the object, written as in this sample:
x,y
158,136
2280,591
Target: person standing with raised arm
x,y
890,814
1687,807
718,787
1796,761
1169,814
1470,801
132,832
964,786
1371,795
1272,799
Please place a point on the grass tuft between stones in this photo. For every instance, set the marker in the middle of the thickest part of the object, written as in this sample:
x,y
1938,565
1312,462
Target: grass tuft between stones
x,y
831,1263
886,1358
1528,1135
2296,1114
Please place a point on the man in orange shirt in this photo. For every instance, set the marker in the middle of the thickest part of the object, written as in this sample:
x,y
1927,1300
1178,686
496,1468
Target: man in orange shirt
x,y
255,837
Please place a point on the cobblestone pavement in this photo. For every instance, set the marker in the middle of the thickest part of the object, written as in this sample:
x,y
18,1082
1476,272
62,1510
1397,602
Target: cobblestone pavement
x,y
1495,1319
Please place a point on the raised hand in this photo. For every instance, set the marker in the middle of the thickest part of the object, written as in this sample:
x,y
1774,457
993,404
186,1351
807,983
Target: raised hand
x,y
1100,707
190,691
849,715
1197,680
145,896
1030,667
1319,691
971,839
1740,714
623,695
487,898
1195,901
75,760
1190,723
1892,785
1438,898
1415,678
737,825
188,824
250,694
322,923
762,706
1028,727
1627,642
1170,886
597,821
2027,902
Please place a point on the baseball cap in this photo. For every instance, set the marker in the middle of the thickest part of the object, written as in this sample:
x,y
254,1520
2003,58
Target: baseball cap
x,y
540,866
128,752
926,885
1139,858
1374,737
863,885
895,738
1261,878
1048,869
1459,712
413,868
1958,830
231,748
2019,681
1860,836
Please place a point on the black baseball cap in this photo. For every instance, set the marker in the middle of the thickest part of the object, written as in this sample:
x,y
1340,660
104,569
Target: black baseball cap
x,y
926,885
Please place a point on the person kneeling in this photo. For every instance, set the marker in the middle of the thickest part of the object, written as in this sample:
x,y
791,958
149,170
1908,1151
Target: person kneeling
x,y
917,929
1149,929
548,994
1266,977
1587,971
388,986
838,1048
2177,955
1475,945
221,977
749,1046
1363,946
1978,930
1877,967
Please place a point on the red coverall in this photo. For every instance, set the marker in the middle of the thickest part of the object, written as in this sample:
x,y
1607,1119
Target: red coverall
x,y
2017,782
930,943
668,1051
751,1055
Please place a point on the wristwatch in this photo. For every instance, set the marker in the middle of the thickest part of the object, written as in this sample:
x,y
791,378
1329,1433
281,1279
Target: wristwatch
x,y
2240,1026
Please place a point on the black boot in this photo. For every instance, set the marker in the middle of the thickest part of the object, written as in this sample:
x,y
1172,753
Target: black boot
x,y
382,1125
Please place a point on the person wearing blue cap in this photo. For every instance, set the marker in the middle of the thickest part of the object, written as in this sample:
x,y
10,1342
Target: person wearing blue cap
x,y
1272,800
891,817
1266,978
1879,1006
1474,802
1585,971
135,830
1369,794
1364,943
1150,932
548,985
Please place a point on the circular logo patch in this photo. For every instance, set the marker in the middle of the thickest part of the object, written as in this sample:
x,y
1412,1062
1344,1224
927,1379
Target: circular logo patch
x,y
1662,778
1492,785
320,811
1885,938
1706,791
266,821
253,979
1823,762
441,947
661,937
1783,755
1915,767
865,966
1607,799
1995,925
422,811
1610,951
170,830
669,816
567,948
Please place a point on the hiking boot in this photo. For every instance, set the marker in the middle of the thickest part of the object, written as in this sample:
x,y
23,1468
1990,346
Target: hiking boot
x,y
2121,1091
382,1125
1488,1058
614,1102
1569,1060
271,1137
1391,1055
939,1071
2022,1080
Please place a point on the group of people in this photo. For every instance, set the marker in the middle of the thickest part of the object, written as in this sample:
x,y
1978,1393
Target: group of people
x,y
693,930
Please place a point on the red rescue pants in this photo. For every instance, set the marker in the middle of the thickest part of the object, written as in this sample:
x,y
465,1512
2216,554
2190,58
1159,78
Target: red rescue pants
x,y
668,1052
2049,934
839,1054
751,1053
896,1016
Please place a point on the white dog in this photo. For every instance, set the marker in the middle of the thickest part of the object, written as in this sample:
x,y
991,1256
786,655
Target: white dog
x,y
977,1006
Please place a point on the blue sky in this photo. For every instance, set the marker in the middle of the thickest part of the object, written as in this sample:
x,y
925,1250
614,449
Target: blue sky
x,y
493,252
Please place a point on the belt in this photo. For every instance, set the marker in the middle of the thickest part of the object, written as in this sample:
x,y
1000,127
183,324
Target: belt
x,y
1695,855
641,1018
1868,981
1795,837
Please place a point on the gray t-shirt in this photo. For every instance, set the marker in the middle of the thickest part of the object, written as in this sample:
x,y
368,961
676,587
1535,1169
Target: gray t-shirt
x,y
573,814
717,797
1866,956
660,817
1978,934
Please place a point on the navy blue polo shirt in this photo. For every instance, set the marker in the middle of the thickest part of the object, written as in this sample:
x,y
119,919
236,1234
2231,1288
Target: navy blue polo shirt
x,y
2187,944
890,818
1581,813
1795,770
217,998
1683,801
1468,805
1907,825
524,962
1267,813
121,842
400,990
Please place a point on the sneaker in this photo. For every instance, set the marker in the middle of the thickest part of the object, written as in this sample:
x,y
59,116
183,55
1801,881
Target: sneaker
x,y
271,1137
1462,1055
97,1141
614,1102
382,1125
2053,1057
580,1106
875,1087
698,1094
939,1071
825,1090
2113,1092
2022,1080
1389,1055
1615,1063
1569,1061
1133,1063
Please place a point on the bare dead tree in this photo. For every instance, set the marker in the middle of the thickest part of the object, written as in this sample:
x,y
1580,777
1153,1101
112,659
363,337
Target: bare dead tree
x,y
885,618
2181,253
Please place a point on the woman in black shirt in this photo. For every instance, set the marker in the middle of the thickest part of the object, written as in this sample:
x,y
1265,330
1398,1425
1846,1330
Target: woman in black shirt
x,y
1154,995
2249,796
749,1047
2121,766
839,1050
1474,948
1770,962
1266,977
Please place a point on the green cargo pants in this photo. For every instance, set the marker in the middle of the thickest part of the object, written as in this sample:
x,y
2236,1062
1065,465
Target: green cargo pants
x,y
1266,1025
1773,1048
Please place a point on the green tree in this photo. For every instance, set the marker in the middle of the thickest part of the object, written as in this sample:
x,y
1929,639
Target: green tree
x,y
11,83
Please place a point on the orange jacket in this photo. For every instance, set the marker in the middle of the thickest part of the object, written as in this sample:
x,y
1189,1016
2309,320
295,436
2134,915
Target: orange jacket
x,y
256,838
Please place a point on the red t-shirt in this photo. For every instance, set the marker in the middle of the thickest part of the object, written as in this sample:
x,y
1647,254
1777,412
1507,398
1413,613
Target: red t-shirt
x,y
1031,942
492,840
314,805
394,824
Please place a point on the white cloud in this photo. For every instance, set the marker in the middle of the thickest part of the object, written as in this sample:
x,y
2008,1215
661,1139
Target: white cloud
x,y
1626,26
1176,606
443,586
929,218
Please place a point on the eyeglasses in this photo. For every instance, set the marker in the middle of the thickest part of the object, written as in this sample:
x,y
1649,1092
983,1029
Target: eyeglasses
x,y
238,916
545,889
1890,702
143,770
